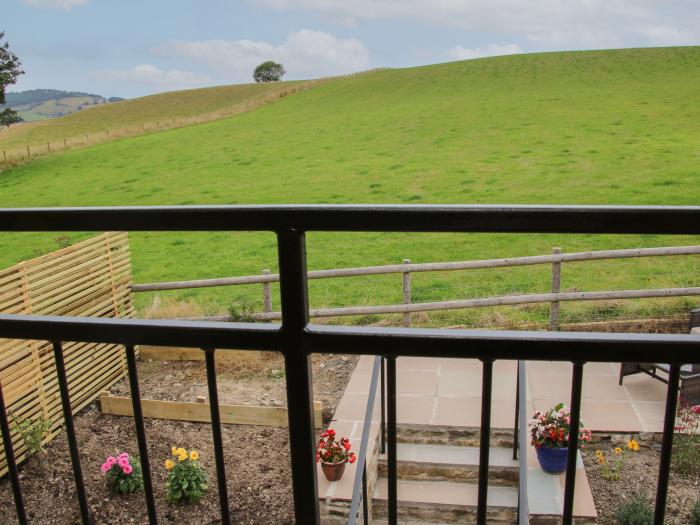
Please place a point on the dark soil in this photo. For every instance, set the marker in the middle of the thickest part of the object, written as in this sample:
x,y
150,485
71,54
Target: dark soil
x,y
257,458
639,476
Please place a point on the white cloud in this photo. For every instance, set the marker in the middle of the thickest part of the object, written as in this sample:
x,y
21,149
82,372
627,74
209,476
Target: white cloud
x,y
55,4
155,78
554,24
305,54
489,50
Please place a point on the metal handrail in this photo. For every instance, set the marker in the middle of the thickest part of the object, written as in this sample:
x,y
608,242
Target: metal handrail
x,y
361,470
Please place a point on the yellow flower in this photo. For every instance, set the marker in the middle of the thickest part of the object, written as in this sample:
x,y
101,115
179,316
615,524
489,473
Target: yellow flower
x,y
182,456
194,455
633,445
181,451
169,464
174,451
618,450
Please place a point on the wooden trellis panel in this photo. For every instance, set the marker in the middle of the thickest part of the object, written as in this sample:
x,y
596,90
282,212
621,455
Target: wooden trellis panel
x,y
91,278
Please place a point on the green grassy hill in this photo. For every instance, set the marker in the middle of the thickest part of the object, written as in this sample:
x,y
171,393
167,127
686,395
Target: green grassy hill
x,y
125,117
603,127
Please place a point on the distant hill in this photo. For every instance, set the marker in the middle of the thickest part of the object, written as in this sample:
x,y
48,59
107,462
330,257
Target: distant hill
x,y
41,104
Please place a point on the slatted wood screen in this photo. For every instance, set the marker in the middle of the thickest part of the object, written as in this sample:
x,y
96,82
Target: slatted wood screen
x,y
91,278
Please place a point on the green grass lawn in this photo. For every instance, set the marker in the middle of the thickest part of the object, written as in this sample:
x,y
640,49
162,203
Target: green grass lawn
x,y
604,127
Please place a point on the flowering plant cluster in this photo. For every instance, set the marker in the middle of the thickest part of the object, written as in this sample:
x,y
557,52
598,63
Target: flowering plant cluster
x,y
611,469
123,473
187,480
551,429
686,440
331,451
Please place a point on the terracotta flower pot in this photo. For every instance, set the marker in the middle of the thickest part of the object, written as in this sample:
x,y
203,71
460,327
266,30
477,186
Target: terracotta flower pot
x,y
333,471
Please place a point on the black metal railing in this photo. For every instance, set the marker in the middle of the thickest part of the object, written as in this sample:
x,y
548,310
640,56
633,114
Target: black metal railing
x,y
296,339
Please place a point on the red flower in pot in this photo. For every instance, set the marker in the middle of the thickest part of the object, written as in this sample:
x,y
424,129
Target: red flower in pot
x,y
334,454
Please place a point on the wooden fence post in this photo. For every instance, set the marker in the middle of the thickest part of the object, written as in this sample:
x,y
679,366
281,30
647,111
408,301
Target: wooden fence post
x,y
4,155
407,293
556,287
29,153
267,294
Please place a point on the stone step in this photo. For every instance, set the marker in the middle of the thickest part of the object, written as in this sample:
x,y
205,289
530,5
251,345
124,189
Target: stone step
x,y
445,435
451,463
446,502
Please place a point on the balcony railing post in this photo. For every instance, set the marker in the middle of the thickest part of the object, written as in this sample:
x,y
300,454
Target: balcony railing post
x,y
295,316
572,454
556,288
70,433
484,441
667,444
141,433
10,460
210,362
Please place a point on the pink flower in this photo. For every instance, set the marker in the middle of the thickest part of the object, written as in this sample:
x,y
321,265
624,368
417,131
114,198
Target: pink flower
x,y
696,409
127,469
123,455
105,467
111,460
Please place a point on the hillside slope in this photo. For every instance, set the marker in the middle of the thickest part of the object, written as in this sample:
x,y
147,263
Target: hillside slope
x,y
130,117
603,127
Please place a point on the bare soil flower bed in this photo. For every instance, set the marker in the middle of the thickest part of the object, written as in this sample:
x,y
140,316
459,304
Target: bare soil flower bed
x,y
638,476
257,464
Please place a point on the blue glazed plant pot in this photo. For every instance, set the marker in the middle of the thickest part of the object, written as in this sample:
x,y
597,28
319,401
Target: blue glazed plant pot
x,y
552,460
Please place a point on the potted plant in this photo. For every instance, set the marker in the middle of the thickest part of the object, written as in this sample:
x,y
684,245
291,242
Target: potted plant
x,y
550,437
333,455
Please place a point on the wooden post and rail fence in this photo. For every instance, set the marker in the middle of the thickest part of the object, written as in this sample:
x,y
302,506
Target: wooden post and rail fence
x,y
554,297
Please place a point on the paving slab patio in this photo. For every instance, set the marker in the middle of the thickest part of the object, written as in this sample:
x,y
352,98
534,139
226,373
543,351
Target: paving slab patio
x,y
447,392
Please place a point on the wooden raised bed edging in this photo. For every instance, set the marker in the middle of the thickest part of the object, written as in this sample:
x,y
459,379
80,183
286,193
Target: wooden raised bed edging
x,y
200,412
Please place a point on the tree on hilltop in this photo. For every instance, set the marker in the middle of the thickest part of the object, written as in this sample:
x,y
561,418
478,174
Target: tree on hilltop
x,y
269,72
9,72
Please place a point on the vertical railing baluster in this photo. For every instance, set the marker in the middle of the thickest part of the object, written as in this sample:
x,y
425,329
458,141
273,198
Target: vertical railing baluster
x,y
484,441
523,504
297,363
516,430
141,434
10,460
365,502
667,444
70,433
382,395
210,362
572,454
392,489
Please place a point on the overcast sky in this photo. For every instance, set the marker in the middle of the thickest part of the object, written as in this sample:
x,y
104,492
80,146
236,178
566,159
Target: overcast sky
x,y
135,47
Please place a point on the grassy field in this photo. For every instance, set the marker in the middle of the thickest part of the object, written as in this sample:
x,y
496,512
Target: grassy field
x,y
604,127
125,118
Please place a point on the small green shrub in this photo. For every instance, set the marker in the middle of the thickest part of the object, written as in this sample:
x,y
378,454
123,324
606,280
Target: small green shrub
x,y
695,514
33,432
241,313
636,511
187,480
